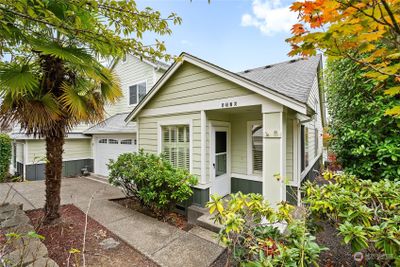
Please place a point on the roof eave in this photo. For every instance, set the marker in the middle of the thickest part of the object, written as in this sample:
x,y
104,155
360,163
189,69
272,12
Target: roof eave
x,y
242,81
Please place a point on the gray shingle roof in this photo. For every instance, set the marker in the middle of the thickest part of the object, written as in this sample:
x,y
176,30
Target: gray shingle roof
x,y
292,78
114,124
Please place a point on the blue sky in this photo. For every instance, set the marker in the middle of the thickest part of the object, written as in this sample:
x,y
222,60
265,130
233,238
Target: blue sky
x,y
234,34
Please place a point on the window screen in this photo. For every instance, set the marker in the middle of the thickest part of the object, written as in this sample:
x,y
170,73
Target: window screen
x,y
176,145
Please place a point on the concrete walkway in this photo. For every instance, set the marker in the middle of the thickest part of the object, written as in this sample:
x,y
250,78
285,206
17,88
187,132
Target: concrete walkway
x,y
161,242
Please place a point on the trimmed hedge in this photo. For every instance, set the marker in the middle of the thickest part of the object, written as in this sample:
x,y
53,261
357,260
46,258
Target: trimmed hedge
x,y
5,156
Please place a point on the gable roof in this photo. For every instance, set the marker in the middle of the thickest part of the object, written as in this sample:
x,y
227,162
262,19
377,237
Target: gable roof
x,y
255,85
293,78
114,124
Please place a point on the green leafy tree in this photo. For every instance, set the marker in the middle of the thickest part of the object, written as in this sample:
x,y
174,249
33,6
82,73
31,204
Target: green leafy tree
x,y
365,140
5,155
50,75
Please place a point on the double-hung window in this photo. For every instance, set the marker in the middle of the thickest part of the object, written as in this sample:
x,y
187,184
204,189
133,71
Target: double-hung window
x,y
176,145
136,93
255,148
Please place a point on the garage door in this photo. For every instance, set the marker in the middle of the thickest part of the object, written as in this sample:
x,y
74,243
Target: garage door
x,y
110,147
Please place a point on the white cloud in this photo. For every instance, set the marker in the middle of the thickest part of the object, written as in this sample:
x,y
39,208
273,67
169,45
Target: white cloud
x,y
270,17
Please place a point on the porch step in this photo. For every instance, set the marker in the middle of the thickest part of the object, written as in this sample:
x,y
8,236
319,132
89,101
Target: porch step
x,y
201,217
205,234
208,223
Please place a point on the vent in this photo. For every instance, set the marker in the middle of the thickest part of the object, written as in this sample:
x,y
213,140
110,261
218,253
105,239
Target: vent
x,y
246,71
293,60
267,67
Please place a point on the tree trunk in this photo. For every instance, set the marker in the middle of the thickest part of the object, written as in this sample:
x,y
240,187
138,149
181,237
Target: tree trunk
x,y
54,151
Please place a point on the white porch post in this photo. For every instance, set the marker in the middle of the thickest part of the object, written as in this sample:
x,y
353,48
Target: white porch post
x,y
273,165
203,144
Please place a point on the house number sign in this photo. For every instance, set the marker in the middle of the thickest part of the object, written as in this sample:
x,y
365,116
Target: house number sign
x,y
229,104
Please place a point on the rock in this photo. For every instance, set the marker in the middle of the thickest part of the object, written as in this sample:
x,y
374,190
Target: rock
x,y
31,252
17,220
20,229
109,243
10,207
8,214
43,262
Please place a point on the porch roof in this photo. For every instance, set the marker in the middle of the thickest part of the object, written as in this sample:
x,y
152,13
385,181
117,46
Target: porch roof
x,y
114,124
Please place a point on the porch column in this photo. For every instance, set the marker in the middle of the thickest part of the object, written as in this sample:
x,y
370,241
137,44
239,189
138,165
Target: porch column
x,y
273,184
203,144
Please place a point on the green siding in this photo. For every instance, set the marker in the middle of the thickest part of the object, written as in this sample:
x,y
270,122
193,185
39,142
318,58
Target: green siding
x,y
70,168
200,197
191,84
73,149
245,186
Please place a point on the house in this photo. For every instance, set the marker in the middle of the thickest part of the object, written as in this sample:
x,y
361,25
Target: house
x,y
91,146
258,131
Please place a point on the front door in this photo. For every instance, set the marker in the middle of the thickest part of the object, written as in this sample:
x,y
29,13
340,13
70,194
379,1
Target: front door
x,y
220,160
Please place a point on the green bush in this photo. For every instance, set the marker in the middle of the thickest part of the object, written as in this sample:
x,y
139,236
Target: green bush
x,y
5,156
365,139
251,231
366,213
151,179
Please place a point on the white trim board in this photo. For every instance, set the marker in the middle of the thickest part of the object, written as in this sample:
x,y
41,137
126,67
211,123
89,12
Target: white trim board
x,y
247,177
241,101
233,77
308,168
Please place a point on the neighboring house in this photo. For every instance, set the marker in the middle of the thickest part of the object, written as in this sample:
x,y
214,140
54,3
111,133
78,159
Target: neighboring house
x,y
92,146
255,131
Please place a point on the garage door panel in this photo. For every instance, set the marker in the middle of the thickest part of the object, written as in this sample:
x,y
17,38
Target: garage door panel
x,y
110,147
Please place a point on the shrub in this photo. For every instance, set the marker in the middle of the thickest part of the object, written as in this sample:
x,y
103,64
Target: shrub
x,y
253,233
367,214
5,156
152,180
365,139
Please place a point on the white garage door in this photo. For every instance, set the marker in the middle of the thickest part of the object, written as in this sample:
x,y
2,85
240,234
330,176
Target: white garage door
x,y
110,147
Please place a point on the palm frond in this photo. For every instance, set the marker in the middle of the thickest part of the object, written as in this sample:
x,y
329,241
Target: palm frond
x,y
74,55
74,102
17,79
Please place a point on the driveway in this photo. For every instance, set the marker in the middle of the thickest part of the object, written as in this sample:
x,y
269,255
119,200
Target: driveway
x,y
161,242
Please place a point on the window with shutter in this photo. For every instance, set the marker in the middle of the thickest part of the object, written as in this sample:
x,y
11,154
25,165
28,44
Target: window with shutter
x,y
255,147
304,147
176,145
136,93
316,142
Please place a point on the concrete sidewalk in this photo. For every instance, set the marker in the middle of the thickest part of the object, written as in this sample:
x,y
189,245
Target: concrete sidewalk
x,y
161,242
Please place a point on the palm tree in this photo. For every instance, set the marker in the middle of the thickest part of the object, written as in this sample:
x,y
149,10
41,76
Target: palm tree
x,y
50,75
49,93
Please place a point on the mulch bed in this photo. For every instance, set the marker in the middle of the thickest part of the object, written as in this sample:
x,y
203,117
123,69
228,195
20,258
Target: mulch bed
x,y
68,234
339,254
173,218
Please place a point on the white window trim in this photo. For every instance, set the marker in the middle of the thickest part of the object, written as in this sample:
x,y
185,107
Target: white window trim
x,y
296,154
173,123
129,92
250,151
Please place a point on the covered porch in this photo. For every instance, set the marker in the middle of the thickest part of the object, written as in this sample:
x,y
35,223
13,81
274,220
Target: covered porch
x,y
252,149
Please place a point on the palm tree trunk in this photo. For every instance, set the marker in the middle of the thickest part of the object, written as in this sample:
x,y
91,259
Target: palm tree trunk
x,y
54,151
